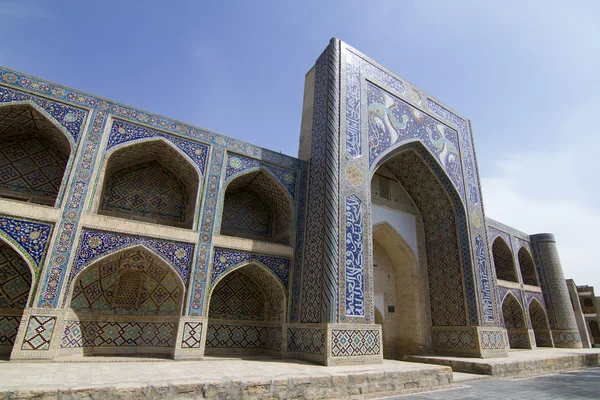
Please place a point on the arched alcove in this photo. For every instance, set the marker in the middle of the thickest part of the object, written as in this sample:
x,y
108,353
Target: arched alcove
x,y
398,279
257,207
503,261
595,332
514,322
15,285
150,181
34,154
247,309
527,268
539,324
126,303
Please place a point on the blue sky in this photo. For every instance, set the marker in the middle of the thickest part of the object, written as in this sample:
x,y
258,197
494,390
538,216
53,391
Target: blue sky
x,y
525,73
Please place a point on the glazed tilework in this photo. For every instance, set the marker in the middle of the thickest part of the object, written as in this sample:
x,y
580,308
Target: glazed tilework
x,y
39,333
243,337
504,261
117,334
224,260
484,280
527,267
123,132
68,117
346,343
245,214
192,335
237,164
298,256
15,279
94,244
237,297
493,340
355,296
539,324
9,327
31,236
100,286
148,190
448,339
393,121
306,340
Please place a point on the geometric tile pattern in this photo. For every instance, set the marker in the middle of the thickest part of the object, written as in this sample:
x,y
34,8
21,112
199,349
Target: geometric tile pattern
x,y
192,335
15,279
133,280
71,118
117,334
392,120
493,340
256,204
9,327
358,342
147,190
306,340
527,268
243,337
454,339
94,244
224,260
441,241
237,164
503,261
122,132
39,333
31,236
237,297
355,296
488,310
539,324
512,312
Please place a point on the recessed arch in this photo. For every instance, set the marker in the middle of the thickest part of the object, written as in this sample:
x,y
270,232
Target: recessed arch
x,y
503,260
256,206
594,331
539,324
514,322
150,180
247,308
445,230
16,282
400,280
34,154
527,267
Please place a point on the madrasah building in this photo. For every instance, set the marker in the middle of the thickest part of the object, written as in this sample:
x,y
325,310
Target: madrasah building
x,y
124,232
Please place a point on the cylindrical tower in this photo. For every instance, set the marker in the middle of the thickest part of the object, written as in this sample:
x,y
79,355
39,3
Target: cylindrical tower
x,y
556,295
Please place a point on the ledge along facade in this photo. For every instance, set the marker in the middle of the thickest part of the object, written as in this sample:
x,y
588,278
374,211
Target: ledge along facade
x,y
125,232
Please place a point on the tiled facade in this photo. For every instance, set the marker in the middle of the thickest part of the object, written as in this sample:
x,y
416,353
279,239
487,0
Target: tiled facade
x,y
144,234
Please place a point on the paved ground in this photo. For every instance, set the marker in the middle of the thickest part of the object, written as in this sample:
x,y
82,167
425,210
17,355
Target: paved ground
x,y
580,384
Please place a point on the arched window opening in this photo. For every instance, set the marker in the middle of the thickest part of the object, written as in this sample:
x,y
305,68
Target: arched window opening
x,y
15,285
33,155
115,303
514,322
256,207
595,332
539,324
527,268
503,261
246,313
151,182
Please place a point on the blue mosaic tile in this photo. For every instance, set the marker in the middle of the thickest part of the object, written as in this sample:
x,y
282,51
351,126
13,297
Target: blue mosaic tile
x,y
224,260
31,236
355,295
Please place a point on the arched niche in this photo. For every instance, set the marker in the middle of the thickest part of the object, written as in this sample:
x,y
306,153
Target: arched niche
x,y
257,207
150,181
246,312
539,324
503,261
443,216
514,322
126,303
15,287
527,267
398,278
34,154
594,332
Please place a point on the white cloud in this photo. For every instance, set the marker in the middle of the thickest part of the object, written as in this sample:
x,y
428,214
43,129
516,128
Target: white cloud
x,y
554,189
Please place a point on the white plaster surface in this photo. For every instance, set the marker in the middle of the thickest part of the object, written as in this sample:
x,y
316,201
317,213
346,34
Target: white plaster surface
x,y
403,223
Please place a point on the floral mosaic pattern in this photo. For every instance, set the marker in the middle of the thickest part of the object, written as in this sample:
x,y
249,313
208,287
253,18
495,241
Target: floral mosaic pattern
x,y
237,164
31,236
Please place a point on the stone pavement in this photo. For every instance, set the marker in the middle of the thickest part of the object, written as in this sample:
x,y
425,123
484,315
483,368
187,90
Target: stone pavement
x,y
579,384
218,378
519,362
